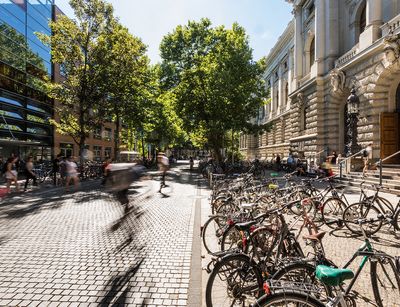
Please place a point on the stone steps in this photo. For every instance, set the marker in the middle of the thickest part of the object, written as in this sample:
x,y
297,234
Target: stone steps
x,y
390,179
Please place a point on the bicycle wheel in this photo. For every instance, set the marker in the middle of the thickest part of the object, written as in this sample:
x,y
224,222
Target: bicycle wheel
x,y
298,208
385,282
332,212
261,242
285,299
303,272
234,281
396,221
231,238
227,208
212,233
363,211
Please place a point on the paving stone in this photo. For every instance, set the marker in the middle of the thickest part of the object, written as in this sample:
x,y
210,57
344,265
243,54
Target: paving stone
x,y
61,249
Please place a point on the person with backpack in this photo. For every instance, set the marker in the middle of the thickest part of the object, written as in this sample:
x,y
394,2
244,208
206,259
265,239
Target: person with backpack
x,y
367,155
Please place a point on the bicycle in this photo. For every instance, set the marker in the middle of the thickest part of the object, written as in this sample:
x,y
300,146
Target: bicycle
x,y
305,295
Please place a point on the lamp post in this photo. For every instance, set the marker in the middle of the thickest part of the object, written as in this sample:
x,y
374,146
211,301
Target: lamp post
x,y
353,105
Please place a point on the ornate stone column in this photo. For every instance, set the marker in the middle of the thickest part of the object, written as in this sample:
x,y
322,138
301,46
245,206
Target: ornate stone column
x,y
373,22
332,33
320,35
298,45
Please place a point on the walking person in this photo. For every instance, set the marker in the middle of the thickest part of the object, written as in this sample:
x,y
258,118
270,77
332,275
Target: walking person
x,y
191,162
12,173
163,166
367,155
333,158
71,173
29,172
56,167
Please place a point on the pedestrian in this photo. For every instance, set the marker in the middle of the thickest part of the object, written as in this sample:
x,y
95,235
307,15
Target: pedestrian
x,y
333,158
56,167
191,162
367,156
71,173
12,173
29,172
163,166
278,162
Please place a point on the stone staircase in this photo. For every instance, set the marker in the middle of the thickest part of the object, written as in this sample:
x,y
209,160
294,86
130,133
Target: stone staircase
x,y
390,178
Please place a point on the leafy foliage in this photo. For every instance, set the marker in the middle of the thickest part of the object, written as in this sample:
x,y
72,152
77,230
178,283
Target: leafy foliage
x,y
217,85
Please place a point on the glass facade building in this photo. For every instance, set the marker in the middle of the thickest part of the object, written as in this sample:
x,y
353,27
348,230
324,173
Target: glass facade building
x,y
25,63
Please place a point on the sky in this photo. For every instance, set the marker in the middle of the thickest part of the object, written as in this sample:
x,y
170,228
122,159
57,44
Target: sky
x,y
264,20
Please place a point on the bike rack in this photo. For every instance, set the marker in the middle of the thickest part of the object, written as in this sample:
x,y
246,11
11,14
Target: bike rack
x,y
379,164
345,161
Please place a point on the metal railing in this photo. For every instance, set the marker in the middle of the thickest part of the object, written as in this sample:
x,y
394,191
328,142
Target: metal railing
x,y
346,161
379,164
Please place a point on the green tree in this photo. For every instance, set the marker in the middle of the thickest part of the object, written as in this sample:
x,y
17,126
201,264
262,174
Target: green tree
x,y
75,47
128,78
217,85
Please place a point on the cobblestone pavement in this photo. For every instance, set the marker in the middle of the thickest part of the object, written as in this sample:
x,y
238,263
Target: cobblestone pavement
x,y
339,246
80,249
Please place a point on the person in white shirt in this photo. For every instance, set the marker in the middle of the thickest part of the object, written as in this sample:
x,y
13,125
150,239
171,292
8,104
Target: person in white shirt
x,y
71,173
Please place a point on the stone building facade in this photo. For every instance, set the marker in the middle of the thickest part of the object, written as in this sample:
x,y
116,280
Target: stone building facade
x,y
331,47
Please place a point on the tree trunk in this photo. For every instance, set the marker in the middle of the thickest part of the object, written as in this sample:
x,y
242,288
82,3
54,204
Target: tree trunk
x,y
116,137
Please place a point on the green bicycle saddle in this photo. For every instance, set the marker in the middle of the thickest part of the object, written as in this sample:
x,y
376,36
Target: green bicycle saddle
x,y
331,276
274,174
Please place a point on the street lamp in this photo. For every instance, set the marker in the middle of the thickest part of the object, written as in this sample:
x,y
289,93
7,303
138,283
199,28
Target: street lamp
x,y
353,106
353,102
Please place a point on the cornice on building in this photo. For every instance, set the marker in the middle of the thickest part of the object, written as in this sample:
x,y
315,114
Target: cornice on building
x,y
284,42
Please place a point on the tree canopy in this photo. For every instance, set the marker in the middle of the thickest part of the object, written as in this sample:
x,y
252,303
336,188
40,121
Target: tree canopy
x,y
211,72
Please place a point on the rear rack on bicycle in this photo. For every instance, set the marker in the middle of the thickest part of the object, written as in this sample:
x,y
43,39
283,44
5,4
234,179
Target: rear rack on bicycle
x,y
292,286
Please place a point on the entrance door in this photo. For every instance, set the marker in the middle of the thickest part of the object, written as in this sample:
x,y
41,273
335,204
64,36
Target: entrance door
x,y
389,123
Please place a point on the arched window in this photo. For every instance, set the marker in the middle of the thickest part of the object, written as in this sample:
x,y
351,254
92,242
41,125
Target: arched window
x,y
398,99
363,19
312,52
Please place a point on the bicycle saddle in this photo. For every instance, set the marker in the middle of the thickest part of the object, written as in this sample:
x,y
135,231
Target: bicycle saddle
x,y
331,276
246,225
315,236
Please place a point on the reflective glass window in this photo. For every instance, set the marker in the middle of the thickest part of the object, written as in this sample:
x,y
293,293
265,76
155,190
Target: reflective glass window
x,y
10,101
35,49
10,127
36,26
37,119
12,59
40,15
9,19
37,109
37,130
11,114
12,45
15,10
33,37
42,4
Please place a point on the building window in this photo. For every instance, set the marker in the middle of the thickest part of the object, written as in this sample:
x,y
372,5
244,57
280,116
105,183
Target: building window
x,y
97,133
363,19
312,52
398,99
107,152
108,134
286,93
97,152
66,149
303,118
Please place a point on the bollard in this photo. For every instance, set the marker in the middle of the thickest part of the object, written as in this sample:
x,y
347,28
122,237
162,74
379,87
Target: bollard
x,y
380,171
341,170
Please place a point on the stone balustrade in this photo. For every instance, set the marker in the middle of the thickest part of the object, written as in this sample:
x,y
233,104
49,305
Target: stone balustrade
x,y
392,26
346,57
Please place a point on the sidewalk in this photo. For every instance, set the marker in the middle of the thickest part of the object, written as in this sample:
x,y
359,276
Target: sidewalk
x,y
85,249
